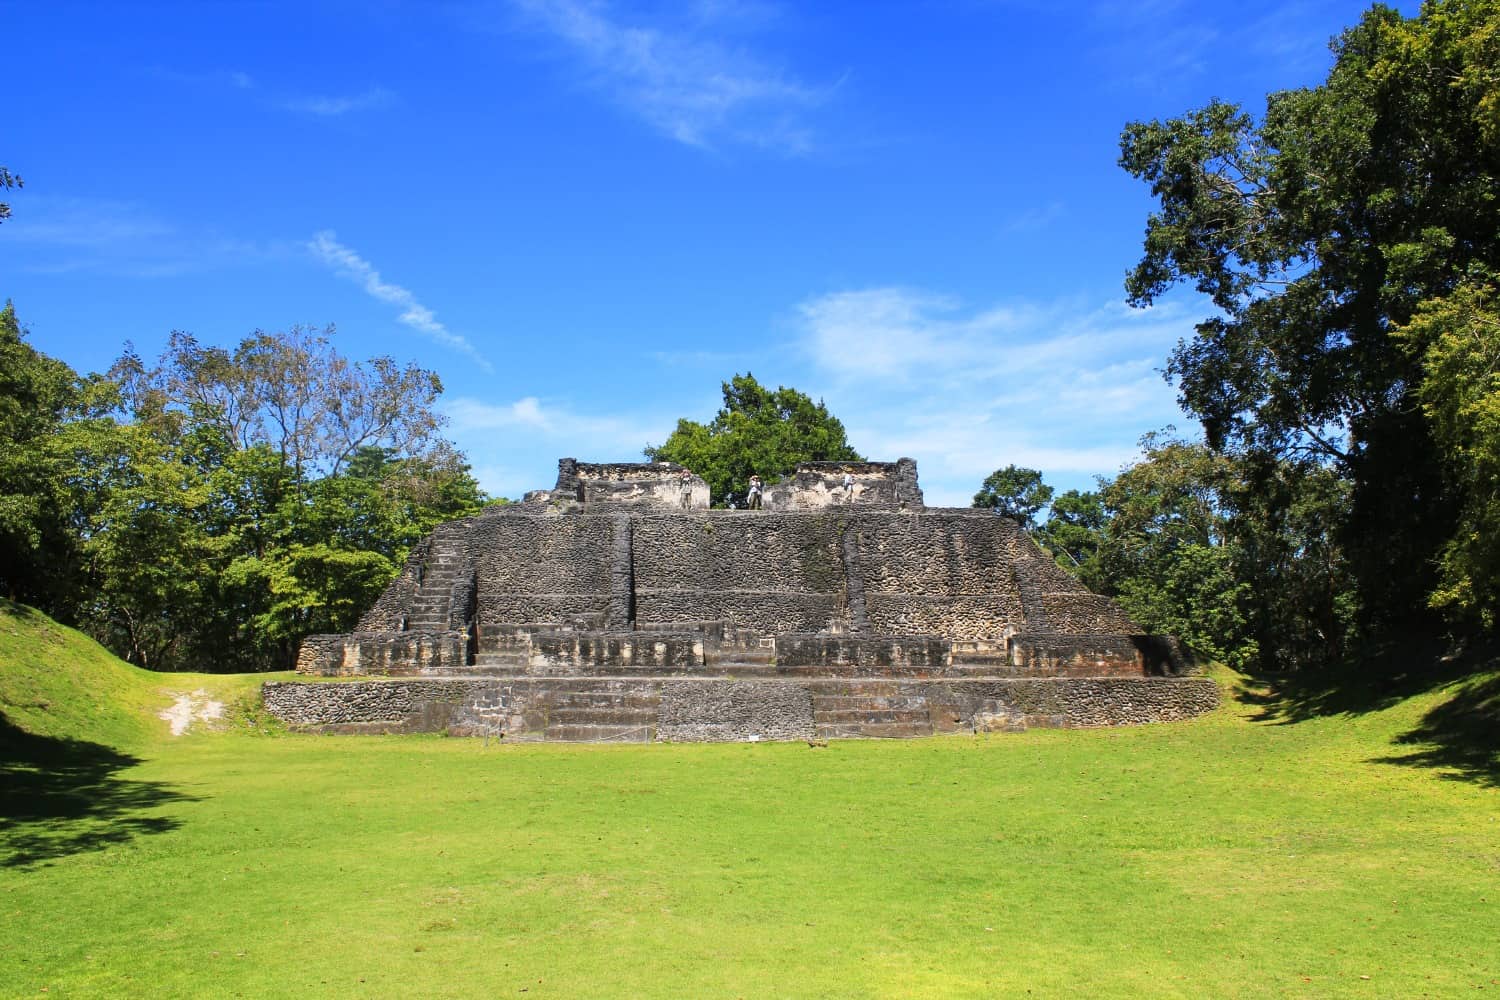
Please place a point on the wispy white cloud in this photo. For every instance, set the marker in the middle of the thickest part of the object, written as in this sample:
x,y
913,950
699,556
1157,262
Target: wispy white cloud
x,y
684,79
326,248
615,434
318,105
1061,387
332,107
513,445
124,238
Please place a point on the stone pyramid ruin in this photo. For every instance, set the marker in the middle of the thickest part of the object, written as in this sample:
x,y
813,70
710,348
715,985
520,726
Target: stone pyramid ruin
x,y
618,606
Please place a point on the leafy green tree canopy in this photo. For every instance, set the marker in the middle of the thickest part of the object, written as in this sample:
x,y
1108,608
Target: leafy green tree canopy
x,y
38,395
1072,533
758,431
1458,336
293,391
1316,232
1015,493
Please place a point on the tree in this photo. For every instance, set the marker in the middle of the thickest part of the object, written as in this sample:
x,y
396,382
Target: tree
x,y
261,494
1318,232
1166,554
8,180
291,390
1073,532
1015,493
38,396
757,432
1459,340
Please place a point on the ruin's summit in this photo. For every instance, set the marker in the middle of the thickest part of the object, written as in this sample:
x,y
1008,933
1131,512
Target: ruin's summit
x,y
813,486
616,605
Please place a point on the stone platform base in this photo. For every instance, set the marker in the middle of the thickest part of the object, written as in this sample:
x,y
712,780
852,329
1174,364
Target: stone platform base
x,y
720,709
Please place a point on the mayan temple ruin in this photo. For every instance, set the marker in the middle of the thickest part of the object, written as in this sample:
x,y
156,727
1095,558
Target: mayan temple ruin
x,y
618,606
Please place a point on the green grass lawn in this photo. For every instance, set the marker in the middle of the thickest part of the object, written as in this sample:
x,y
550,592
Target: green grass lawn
x,y
1240,855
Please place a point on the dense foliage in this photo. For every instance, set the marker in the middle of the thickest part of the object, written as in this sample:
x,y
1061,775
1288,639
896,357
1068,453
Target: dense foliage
x,y
759,431
1237,561
1015,493
1349,242
211,509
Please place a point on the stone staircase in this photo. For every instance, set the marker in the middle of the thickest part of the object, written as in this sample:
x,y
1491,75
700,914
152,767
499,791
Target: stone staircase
x,y
603,716
868,710
432,605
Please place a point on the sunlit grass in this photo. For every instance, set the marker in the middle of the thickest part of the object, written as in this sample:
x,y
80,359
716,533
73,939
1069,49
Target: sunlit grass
x,y
1224,857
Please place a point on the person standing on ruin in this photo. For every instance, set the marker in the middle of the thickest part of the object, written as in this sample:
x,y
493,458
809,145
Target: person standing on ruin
x,y
686,482
848,487
753,497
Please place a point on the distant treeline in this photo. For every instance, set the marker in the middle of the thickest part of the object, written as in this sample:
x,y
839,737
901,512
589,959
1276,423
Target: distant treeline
x,y
208,510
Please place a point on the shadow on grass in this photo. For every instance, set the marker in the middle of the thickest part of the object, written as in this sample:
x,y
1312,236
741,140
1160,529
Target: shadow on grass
x,y
1460,735
60,797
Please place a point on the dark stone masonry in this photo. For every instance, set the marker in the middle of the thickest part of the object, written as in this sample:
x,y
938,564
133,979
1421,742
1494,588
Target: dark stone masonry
x,y
617,607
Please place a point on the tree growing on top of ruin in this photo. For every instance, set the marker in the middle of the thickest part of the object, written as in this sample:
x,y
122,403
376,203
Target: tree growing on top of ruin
x,y
758,431
1015,493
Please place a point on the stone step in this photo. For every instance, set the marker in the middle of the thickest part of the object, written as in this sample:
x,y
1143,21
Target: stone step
x,y
836,688
474,670
494,658
981,659
854,702
605,698
876,730
871,715
600,734
854,670
739,656
741,669
605,671
622,717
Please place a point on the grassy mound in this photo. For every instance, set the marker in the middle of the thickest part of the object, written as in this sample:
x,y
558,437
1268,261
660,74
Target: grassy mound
x,y
57,684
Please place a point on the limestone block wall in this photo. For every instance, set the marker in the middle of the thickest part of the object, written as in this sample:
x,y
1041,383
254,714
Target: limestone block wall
x,y
735,712
766,573
957,574
715,709
939,572
953,573
541,569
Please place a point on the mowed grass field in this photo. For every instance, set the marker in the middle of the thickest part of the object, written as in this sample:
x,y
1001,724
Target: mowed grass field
x,y
1240,855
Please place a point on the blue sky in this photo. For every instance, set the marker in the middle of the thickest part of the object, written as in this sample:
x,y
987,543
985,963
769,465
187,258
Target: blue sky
x,y
586,215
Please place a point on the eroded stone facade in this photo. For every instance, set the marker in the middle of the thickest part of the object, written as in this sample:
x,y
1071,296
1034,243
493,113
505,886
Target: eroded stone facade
x,y
617,606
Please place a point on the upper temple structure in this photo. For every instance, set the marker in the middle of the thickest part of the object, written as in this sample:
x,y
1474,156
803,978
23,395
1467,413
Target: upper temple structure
x,y
618,606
